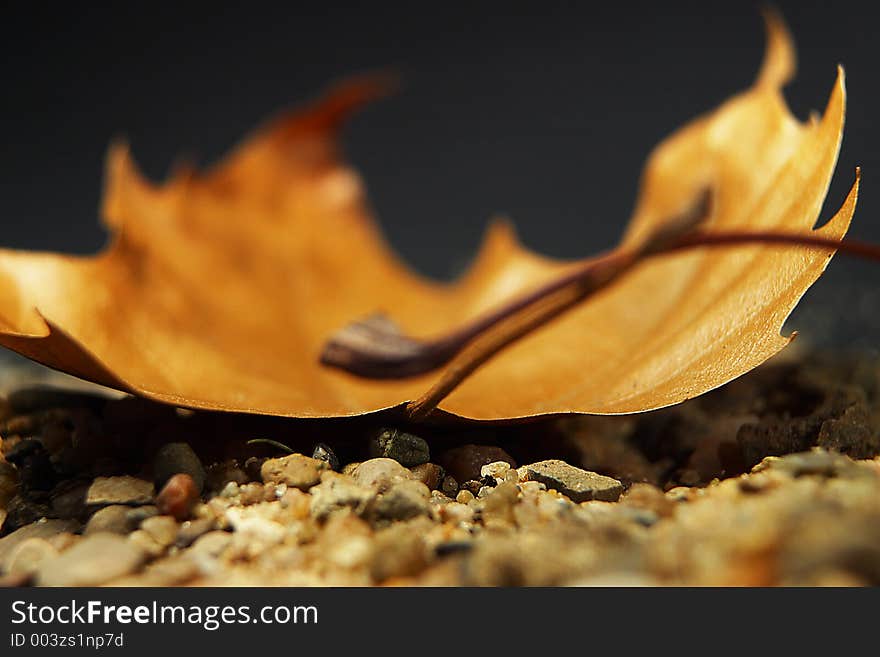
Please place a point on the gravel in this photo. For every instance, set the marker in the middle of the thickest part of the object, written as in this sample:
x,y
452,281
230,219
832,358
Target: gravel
x,y
771,480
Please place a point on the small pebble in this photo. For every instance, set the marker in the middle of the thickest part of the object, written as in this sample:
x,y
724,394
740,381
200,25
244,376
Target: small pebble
x,y
380,473
407,449
295,470
464,496
323,452
429,474
497,470
178,458
339,492
402,501
449,486
252,493
457,512
231,489
178,497
473,485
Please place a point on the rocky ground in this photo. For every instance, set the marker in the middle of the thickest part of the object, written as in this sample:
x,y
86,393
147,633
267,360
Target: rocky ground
x,y
773,479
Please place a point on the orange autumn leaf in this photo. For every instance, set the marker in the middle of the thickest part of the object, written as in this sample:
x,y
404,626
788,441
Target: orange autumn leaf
x,y
220,289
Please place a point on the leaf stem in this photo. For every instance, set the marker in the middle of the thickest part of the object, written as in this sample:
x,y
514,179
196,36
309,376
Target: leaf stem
x,y
374,348
588,280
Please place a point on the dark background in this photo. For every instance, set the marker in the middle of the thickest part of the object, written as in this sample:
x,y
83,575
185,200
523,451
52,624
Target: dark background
x,y
543,111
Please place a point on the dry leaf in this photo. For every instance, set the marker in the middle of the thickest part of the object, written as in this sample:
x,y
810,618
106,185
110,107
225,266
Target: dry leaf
x,y
220,289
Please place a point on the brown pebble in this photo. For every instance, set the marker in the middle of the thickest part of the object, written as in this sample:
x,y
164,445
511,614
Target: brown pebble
x,y
449,486
178,497
429,474
295,470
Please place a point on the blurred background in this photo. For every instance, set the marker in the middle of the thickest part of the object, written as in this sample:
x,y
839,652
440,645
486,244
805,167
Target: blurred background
x,y
543,111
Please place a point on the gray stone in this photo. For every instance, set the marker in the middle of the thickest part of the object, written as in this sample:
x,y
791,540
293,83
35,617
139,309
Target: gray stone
x,y
402,501
178,458
95,560
120,490
295,470
576,484
407,449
